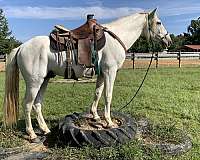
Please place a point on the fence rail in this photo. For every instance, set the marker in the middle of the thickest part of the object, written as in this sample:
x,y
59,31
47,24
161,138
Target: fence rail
x,y
2,58
179,56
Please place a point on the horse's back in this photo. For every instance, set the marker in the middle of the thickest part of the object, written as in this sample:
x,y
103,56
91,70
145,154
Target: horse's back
x,y
37,41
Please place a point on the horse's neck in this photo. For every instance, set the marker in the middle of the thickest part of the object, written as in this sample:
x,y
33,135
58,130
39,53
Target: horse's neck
x,y
128,29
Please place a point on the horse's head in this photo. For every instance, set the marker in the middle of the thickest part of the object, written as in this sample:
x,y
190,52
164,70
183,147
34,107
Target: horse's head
x,y
155,29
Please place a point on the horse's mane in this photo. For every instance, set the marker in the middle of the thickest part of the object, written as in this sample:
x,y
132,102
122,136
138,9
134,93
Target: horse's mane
x,y
126,19
143,13
153,22
119,20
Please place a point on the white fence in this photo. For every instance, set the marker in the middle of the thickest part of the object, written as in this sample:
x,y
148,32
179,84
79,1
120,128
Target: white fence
x,y
2,58
179,56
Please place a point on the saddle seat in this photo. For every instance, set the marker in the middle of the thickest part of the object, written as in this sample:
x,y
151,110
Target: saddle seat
x,y
82,32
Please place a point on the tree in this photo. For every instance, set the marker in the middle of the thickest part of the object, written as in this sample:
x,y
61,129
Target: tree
x,y
193,35
178,41
7,42
143,46
4,30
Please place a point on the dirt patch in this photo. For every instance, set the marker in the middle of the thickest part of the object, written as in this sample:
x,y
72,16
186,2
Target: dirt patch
x,y
87,123
139,63
2,66
27,151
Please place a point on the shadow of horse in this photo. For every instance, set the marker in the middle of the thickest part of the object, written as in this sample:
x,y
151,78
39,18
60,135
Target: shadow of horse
x,y
50,140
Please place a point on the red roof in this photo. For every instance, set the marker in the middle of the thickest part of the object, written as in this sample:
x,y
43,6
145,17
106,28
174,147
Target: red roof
x,y
195,47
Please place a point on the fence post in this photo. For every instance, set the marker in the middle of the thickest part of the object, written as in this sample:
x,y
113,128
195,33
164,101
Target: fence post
x,y
156,58
133,59
179,59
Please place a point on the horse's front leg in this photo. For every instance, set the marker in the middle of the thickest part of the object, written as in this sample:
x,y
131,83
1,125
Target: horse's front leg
x,y
109,78
97,96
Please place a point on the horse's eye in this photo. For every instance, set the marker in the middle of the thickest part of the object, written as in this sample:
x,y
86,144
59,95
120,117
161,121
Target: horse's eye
x,y
159,23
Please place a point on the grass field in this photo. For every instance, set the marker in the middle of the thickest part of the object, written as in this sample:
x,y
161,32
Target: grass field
x,y
169,97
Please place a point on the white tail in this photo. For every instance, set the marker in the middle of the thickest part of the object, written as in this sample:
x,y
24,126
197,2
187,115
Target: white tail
x,y
11,98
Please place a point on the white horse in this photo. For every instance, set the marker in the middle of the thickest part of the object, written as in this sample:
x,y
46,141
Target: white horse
x,y
35,59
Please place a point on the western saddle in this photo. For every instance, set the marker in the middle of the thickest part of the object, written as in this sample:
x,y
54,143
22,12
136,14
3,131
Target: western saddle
x,y
81,46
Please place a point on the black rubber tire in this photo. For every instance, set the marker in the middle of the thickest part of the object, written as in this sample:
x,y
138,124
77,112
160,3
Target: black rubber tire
x,y
70,134
175,149
166,148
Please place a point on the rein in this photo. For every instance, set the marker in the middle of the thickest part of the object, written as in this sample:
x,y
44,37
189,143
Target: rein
x,y
115,37
147,71
141,84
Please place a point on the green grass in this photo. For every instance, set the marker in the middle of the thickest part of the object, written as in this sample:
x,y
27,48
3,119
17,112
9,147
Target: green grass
x,y
169,97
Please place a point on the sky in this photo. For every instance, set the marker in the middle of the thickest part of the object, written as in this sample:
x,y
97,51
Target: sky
x,y
29,18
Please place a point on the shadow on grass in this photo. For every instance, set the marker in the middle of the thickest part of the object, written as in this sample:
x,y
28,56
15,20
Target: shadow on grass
x,y
18,133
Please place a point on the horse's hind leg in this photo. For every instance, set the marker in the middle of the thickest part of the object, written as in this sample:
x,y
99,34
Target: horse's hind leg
x,y
97,96
38,107
32,89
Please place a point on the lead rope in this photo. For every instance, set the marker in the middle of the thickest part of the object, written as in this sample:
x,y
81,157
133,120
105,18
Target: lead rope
x,y
141,84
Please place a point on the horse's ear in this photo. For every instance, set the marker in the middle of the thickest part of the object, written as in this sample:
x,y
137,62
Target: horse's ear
x,y
152,14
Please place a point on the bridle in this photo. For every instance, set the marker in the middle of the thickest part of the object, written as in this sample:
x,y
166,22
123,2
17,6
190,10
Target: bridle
x,y
165,36
149,28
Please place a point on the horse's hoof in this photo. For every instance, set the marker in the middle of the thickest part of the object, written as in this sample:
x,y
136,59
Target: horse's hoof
x,y
98,120
35,140
112,125
47,133
43,139
39,132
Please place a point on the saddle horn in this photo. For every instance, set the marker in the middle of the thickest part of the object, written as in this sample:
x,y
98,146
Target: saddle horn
x,y
90,16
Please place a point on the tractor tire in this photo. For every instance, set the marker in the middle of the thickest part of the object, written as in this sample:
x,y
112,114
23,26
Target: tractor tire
x,y
71,134
167,148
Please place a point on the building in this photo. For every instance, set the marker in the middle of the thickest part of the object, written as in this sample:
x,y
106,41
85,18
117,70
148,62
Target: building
x,y
191,48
